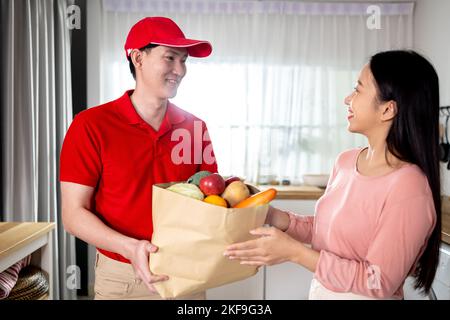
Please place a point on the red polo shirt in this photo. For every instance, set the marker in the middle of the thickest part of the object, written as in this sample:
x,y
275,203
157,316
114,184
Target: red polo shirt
x,y
111,148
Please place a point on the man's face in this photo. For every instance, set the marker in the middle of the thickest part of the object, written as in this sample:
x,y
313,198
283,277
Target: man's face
x,y
162,70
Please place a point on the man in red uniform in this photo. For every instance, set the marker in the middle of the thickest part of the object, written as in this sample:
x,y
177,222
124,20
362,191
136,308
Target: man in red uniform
x,y
113,154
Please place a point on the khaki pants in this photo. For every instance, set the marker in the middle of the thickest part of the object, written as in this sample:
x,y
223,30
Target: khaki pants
x,y
114,280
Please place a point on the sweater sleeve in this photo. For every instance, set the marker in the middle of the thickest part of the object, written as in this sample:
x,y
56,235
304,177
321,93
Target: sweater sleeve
x,y
80,159
401,235
300,227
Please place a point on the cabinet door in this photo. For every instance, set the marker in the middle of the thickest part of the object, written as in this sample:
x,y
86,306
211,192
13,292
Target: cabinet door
x,y
287,281
410,293
301,207
248,289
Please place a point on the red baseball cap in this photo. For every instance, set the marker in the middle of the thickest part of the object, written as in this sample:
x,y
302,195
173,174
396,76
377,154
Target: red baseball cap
x,y
163,31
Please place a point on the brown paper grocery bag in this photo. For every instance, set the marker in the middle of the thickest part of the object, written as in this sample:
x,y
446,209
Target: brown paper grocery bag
x,y
192,235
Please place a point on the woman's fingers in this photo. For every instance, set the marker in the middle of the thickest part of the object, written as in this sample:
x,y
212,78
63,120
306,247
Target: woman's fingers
x,y
253,263
233,254
263,231
256,243
251,244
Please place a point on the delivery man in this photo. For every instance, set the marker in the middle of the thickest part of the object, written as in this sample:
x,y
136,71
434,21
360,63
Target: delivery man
x,y
113,154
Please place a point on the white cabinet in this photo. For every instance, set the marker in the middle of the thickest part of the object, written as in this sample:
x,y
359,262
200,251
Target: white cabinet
x,y
441,284
289,281
249,289
300,207
410,293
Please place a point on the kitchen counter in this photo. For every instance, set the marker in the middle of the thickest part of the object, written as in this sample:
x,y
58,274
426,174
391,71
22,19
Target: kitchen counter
x,y
445,237
302,192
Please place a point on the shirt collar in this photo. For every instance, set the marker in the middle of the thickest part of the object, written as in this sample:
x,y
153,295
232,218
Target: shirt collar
x,y
173,115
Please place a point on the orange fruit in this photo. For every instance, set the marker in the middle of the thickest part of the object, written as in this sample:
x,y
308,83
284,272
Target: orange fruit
x,y
216,200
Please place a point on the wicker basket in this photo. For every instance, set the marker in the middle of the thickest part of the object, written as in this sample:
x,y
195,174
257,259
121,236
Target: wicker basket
x,y
31,285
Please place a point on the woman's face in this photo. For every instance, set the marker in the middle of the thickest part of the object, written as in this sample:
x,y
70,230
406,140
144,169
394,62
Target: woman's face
x,y
363,112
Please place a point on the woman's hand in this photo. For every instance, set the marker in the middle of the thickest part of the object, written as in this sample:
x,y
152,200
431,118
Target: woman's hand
x,y
272,247
139,257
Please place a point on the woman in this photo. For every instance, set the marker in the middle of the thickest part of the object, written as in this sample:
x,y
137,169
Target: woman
x,y
379,219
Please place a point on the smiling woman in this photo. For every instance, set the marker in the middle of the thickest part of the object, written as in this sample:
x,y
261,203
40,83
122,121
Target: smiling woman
x,y
363,104
379,220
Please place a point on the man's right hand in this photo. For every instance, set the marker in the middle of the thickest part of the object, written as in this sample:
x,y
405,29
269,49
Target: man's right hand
x,y
139,257
80,221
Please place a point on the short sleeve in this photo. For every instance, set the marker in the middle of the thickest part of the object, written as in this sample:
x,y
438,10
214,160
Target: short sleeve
x,y
80,160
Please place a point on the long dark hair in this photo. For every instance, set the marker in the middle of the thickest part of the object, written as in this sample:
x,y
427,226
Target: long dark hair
x,y
411,81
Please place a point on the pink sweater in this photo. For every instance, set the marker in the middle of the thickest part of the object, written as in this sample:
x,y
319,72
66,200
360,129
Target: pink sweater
x,y
370,231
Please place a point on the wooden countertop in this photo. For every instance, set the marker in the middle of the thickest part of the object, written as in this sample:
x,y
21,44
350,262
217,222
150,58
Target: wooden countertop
x,y
445,236
15,235
303,192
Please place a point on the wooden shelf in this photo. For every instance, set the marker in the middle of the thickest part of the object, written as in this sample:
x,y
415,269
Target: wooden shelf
x,y
15,235
21,239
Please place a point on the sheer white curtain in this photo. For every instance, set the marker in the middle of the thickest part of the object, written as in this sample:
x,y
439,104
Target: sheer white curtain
x,y
272,91
36,106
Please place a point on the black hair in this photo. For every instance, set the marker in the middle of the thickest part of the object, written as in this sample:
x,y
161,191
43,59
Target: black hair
x,y
130,62
411,81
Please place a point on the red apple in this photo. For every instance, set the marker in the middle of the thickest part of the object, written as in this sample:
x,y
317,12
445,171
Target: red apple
x,y
231,179
212,184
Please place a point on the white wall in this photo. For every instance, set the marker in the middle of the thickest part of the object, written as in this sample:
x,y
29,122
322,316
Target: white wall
x,y
432,38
